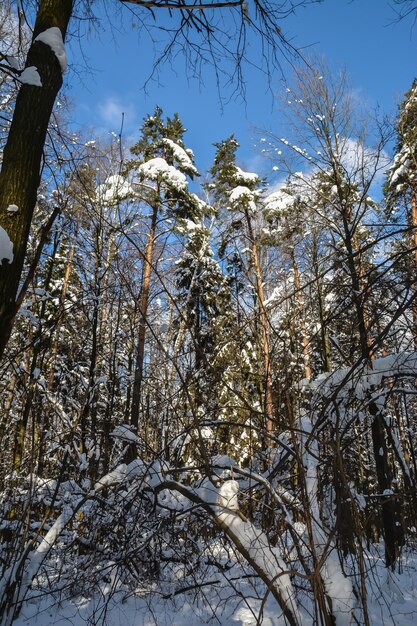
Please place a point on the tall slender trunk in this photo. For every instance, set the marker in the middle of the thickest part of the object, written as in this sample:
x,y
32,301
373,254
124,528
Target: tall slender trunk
x,y
20,171
269,403
179,339
300,301
61,315
398,424
143,320
110,253
130,352
9,394
323,332
89,410
113,390
22,424
21,427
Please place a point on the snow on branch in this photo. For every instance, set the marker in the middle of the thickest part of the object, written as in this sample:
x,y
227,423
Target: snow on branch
x,y
158,169
32,557
398,364
181,156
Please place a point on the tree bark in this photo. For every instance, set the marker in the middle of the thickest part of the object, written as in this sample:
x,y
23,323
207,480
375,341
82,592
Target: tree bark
x,y
269,404
20,172
60,318
325,349
143,312
300,302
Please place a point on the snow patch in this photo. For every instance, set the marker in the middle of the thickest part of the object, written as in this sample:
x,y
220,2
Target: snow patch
x,y
278,201
30,76
158,169
181,156
114,188
124,431
228,493
13,62
242,193
190,225
6,246
52,37
245,177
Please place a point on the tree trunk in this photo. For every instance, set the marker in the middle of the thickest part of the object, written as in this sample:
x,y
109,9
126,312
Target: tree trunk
x,y
323,332
89,410
143,312
299,296
269,404
391,515
20,172
39,346
60,318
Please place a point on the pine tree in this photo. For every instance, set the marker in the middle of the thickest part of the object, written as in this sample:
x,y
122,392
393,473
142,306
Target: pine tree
x,y
161,166
238,193
204,307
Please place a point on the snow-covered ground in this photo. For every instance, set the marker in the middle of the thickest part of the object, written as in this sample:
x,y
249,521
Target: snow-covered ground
x,y
392,600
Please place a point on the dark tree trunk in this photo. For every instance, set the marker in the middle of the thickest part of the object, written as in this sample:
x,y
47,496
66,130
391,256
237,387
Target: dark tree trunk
x,y
325,349
391,512
20,172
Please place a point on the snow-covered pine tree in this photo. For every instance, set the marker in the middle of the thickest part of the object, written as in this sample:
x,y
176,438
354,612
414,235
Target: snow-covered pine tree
x,y
204,308
237,195
160,169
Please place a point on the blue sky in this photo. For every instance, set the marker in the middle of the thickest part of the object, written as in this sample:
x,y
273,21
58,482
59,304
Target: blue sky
x,y
361,35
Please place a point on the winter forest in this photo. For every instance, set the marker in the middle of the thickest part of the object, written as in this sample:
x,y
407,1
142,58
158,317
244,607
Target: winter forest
x,y
208,401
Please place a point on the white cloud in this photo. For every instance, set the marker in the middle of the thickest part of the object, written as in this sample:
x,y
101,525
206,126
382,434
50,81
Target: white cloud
x,y
355,157
113,109
360,160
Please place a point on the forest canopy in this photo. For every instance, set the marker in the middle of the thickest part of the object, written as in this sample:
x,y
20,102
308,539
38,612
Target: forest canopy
x,y
208,378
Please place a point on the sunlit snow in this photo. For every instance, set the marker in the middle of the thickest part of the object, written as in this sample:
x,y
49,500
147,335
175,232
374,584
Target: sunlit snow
x,y
52,37
6,246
